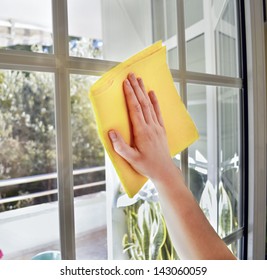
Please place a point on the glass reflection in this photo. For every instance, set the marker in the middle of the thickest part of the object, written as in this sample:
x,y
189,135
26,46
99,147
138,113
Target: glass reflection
x,y
94,33
214,160
212,37
28,178
26,25
89,174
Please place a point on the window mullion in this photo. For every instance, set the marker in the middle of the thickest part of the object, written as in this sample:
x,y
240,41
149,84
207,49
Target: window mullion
x,y
206,79
89,66
181,43
229,239
22,60
63,131
256,84
181,35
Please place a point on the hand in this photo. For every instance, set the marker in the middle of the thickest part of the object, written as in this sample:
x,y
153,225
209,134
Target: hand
x,y
149,153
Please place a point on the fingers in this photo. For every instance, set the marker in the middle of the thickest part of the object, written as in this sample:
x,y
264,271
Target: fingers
x,y
147,124
142,97
142,107
133,105
121,147
152,112
156,107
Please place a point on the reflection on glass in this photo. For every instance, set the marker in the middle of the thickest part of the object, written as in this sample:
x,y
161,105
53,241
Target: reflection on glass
x,y
227,63
193,12
195,54
236,247
212,39
26,25
28,186
115,30
171,18
214,163
172,57
89,173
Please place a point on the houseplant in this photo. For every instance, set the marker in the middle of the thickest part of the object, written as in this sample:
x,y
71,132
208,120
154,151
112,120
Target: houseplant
x,y
147,237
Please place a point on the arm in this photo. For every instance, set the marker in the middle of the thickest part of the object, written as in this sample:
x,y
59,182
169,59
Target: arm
x,y
191,233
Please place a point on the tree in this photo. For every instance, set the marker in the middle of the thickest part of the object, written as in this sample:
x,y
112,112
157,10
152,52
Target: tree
x,y
27,130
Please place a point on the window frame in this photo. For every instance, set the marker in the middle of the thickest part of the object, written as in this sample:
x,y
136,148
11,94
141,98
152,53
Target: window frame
x,y
256,103
252,82
195,78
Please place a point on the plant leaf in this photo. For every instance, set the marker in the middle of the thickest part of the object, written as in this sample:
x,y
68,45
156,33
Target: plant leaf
x,y
159,239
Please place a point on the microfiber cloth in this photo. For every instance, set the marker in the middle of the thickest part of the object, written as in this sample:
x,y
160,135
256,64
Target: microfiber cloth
x,y
110,109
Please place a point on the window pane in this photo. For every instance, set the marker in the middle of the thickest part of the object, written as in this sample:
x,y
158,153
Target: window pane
x,y
89,174
195,53
212,39
26,25
236,247
171,18
115,30
227,58
172,57
28,186
193,12
214,160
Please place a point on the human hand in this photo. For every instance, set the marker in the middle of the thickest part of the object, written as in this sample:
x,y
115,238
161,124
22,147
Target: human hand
x,y
149,152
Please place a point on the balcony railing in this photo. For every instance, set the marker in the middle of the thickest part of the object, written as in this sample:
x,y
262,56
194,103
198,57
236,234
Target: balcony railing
x,y
90,229
44,177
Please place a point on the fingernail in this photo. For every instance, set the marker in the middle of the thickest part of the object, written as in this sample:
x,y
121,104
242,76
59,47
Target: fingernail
x,y
112,135
127,82
131,75
152,93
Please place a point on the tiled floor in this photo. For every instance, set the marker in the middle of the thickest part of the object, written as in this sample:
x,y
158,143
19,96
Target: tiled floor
x,y
28,231
90,246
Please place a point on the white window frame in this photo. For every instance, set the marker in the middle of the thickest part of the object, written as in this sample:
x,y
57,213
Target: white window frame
x,y
256,85
62,65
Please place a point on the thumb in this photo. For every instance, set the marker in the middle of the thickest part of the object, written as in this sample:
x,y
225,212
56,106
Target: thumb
x,y
120,146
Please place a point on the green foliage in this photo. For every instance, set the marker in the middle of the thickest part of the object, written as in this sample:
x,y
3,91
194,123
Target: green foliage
x,y
87,149
27,130
147,237
27,125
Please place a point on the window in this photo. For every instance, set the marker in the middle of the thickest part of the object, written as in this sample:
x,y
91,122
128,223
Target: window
x,y
89,173
215,160
28,162
215,171
55,54
24,28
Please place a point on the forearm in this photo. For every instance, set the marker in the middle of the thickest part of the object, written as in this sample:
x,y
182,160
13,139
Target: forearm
x,y
191,233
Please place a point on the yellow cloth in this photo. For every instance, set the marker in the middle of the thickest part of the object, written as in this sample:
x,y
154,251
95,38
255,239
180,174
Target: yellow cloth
x,y
110,109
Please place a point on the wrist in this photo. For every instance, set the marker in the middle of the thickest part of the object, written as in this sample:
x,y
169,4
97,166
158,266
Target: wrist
x,y
169,173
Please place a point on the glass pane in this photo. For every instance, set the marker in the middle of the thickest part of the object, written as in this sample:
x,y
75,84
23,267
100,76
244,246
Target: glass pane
x,y
227,63
212,37
195,50
28,185
26,25
89,174
236,248
171,18
172,57
193,12
94,33
214,160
